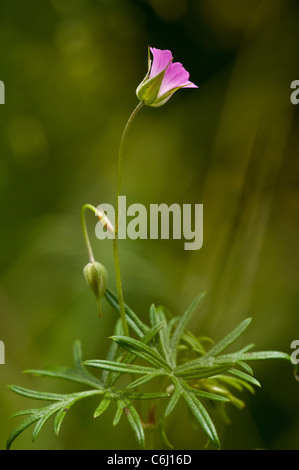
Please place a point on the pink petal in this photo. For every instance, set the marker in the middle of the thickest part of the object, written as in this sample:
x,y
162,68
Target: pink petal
x,y
190,85
175,76
160,61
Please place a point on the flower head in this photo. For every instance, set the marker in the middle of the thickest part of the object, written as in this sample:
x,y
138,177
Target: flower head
x,y
163,78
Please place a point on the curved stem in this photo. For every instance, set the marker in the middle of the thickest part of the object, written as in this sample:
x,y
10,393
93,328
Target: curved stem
x,y
115,240
84,229
121,155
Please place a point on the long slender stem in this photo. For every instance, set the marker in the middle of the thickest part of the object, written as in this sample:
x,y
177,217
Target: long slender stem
x,y
115,240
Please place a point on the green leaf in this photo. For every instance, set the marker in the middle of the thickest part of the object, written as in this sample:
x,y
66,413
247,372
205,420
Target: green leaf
x,y
203,372
176,336
118,413
141,350
135,422
20,428
228,340
201,414
163,435
262,355
157,317
130,358
79,374
60,417
118,367
77,354
152,332
173,401
107,376
234,382
41,415
245,377
207,395
125,405
35,394
246,367
31,411
146,378
193,343
70,400
102,407
42,420
146,396
67,373
134,322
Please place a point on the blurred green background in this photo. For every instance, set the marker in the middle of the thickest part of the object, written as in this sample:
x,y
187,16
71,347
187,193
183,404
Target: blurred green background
x,y
70,69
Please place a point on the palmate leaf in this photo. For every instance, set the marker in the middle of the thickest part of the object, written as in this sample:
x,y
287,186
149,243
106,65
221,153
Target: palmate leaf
x,y
73,375
78,374
39,416
162,355
166,349
110,377
61,403
179,330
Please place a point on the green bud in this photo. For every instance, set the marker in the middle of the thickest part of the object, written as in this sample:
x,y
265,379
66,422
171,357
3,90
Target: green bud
x,y
96,278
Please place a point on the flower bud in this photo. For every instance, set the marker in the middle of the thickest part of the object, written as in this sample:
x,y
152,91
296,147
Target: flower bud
x,y
96,278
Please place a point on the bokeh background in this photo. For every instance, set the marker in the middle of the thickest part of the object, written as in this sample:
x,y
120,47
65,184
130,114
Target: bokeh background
x,y
71,68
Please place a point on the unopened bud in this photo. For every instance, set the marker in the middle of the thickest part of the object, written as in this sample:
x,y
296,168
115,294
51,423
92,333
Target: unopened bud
x,y
96,278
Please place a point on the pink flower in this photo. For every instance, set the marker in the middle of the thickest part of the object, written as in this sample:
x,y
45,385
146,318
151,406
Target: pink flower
x,y
163,78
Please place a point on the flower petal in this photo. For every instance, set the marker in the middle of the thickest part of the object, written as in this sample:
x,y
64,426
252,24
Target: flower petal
x,y
175,76
190,85
160,60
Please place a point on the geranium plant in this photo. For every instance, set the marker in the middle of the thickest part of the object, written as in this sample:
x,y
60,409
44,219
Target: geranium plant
x,y
181,365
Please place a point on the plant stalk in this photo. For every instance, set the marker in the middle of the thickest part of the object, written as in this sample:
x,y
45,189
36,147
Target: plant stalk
x,y
115,239
84,229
